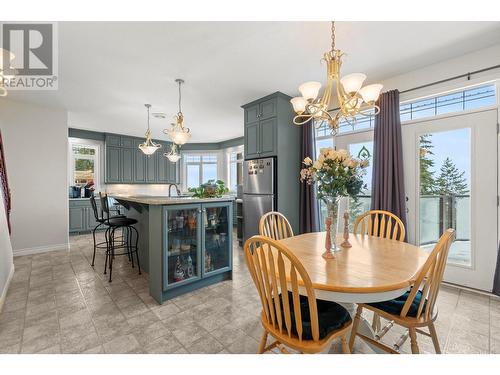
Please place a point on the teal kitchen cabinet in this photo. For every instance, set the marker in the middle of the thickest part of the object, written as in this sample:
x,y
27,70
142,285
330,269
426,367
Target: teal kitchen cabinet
x,y
268,135
81,215
139,167
151,168
252,140
77,217
270,132
126,164
113,164
197,243
262,118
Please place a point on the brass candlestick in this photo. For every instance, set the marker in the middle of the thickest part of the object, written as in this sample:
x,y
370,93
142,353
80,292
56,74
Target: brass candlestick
x,y
346,242
328,254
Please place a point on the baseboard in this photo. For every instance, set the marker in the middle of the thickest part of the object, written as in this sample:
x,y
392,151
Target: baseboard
x,y
3,296
40,249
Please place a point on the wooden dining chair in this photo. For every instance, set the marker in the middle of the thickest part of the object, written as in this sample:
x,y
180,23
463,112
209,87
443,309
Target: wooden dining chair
x,y
380,223
275,225
295,321
383,224
415,309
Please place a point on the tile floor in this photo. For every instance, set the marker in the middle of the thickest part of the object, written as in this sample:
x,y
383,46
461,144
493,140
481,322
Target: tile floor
x,y
57,303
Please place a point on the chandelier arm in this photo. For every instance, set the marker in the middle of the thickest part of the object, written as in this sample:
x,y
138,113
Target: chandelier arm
x,y
307,118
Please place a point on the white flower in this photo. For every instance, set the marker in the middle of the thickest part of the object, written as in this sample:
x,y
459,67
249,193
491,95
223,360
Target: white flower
x,y
308,161
318,163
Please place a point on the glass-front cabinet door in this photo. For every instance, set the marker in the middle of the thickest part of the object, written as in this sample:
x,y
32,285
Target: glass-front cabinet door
x,y
182,246
216,237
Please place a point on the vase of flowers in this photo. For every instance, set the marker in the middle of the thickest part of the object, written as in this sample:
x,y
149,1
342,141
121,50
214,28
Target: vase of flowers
x,y
336,175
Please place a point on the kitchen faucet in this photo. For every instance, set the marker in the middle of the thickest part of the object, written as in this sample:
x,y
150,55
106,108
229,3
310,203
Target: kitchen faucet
x,y
170,190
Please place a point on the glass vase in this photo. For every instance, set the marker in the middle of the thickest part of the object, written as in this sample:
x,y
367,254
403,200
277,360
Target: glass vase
x,y
333,214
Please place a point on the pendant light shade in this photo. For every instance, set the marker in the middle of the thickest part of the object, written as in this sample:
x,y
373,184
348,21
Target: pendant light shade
x,y
173,155
371,93
353,82
148,147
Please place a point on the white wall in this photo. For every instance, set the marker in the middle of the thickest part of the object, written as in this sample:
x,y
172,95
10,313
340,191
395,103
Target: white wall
x,y
6,264
446,69
35,140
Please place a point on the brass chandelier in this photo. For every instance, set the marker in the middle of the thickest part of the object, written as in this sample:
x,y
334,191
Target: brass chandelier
x,y
353,99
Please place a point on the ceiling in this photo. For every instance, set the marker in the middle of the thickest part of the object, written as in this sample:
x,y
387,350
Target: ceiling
x,y
108,70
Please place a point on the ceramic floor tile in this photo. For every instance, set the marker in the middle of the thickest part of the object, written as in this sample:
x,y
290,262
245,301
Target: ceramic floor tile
x,y
58,303
164,345
205,345
121,344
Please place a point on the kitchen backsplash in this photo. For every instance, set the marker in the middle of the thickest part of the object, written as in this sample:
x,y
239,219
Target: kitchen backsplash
x,y
149,189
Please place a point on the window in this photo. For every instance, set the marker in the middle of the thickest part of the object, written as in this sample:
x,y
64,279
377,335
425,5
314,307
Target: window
x,y
235,170
84,164
463,100
199,168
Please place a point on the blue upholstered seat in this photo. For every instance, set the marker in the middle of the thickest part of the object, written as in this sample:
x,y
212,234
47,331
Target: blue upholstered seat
x,y
331,317
394,306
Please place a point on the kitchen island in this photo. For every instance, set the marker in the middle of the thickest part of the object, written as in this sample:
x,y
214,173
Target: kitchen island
x,y
184,243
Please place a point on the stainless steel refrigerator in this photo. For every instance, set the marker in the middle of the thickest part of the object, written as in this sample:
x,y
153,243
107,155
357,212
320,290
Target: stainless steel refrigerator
x,y
259,193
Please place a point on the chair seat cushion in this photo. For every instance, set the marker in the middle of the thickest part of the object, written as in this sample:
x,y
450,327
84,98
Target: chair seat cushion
x,y
331,317
120,221
394,306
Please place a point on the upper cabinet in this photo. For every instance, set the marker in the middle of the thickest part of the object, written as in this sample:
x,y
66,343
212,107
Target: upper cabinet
x,y
265,120
126,164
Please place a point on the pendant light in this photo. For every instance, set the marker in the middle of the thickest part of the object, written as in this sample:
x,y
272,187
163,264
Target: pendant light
x,y
178,133
173,155
148,147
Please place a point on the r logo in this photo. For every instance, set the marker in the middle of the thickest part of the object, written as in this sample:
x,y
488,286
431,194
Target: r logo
x,y
33,47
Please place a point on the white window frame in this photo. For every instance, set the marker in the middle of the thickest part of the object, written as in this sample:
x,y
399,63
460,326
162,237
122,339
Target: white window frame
x,y
219,164
230,151
98,159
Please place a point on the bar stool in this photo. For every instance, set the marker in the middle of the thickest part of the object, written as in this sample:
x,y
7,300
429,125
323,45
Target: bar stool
x,y
127,226
99,218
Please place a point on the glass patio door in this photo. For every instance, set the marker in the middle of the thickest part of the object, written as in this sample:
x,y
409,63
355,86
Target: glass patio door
x,y
359,145
451,182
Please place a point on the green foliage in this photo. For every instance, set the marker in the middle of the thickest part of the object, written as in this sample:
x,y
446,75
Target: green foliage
x,y
426,164
451,181
336,173
210,189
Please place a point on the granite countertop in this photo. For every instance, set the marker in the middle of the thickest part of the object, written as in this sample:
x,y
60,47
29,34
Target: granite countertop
x,y
162,200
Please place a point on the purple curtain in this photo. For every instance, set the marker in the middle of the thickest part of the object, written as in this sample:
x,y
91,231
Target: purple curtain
x,y
388,189
308,205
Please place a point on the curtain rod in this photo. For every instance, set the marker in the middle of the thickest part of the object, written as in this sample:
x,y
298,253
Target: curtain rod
x,y
468,75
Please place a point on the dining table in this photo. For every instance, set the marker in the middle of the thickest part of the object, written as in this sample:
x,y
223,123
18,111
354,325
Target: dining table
x,y
373,269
